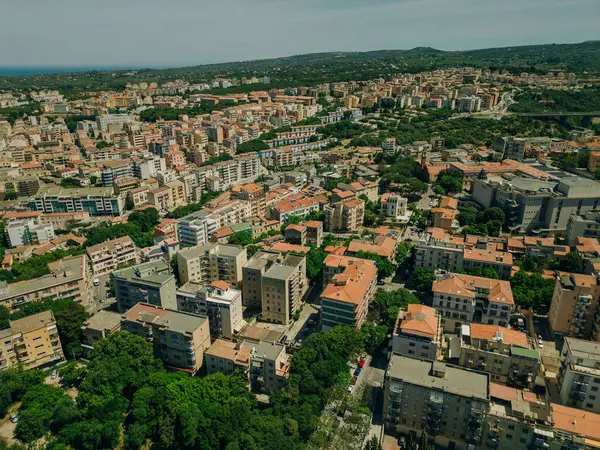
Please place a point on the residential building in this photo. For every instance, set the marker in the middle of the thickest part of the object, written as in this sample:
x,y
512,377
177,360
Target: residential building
x,y
150,282
179,338
314,232
393,205
439,250
578,379
193,228
345,300
161,198
506,354
113,171
574,308
300,207
448,402
211,262
228,357
336,264
463,299
99,326
178,193
586,225
28,231
104,120
345,215
382,245
255,195
295,234
445,215
97,201
275,283
418,333
469,104
269,366
67,279
31,342
511,147
219,302
489,258
108,256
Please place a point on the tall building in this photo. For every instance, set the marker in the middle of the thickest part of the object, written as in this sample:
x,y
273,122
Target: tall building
x,y
448,402
150,282
255,195
67,279
393,205
31,342
346,298
28,231
107,256
219,302
97,201
269,366
418,333
578,378
275,283
586,225
463,299
345,215
179,339
211,262
574,308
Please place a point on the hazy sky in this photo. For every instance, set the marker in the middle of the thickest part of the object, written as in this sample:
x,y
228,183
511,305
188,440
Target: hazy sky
x,y
187,32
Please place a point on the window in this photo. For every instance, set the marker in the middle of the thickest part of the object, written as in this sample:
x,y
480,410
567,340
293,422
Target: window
x,y
589,405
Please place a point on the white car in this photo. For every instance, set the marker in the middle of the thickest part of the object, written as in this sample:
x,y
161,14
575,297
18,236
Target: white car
x,y
350,389
96,282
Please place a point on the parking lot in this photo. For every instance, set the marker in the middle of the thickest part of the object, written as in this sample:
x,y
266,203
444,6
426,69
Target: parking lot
x,y
99,293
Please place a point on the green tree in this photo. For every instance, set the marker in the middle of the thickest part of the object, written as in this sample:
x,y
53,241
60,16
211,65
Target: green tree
x,y
450,182
242,238
314,263
384,266
532,290
403,251
373,444
145,219
374,336
422,280
252,249
386,305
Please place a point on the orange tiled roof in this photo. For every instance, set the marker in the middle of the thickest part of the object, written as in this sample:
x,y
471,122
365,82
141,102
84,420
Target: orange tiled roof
x,y
486,332
419,320
499,291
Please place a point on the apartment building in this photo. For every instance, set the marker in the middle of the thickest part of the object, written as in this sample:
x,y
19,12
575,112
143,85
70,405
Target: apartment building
x,y
531,204
295,234
345,215
275,283
269,366
345,300
506,354
67,279
99,326
211,262
139,196
255,195
297,207
28,231
448,402
336,264
314,232
108,256
179,339
104,120
219,302
393,205
574,309
463,299
178,193
150,282
193,228
578,378
418,333
161,198
228,357
586,225
489,258
31,342
445,215
113,171
97,201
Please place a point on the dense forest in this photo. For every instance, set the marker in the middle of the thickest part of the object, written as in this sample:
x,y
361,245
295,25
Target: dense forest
x,y
337,66
552,100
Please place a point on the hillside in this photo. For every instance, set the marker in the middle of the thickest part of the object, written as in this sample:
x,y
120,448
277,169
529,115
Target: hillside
x,y
336,66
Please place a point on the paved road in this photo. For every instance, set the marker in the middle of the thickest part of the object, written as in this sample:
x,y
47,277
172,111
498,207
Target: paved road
x,y
373,375
99,300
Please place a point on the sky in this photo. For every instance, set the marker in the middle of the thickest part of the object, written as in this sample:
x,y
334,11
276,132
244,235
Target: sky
x,y
173,33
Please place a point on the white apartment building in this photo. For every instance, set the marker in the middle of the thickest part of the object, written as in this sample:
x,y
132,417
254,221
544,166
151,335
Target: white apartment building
x,y
108,256
393,205
28,231
579,374
211,262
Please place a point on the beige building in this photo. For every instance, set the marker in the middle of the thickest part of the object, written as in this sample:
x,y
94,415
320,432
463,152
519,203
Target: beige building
x,y
179,339
448,402
314,232
139,196
574,308
346,298
100,326
31,341
463,299
269,366
393,205
418,333
275,283
107,256
161,198
295,234
211,262
178,193
255,195
345,215
507,355
67,279
228,357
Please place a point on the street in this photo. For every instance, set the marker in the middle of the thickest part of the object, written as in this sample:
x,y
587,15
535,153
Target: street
x,y
99,300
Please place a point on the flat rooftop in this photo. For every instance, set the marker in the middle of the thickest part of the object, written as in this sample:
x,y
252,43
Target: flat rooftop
x,y
456,380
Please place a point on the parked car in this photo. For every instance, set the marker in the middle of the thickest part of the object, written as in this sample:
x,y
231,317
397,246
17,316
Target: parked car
x,y
357,371
361,364
96,282
54,375
14,418
283,339
380,283
350,389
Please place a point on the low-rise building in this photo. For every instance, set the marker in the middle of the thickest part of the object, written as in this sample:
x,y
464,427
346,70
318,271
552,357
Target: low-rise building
x,y
448,402
228,357
108,256
219,302
296,234
393,205
67,279
31,342
100,326
179,338
346,298
150,282
314,232
463,299
269,366
418,333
